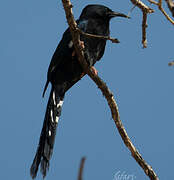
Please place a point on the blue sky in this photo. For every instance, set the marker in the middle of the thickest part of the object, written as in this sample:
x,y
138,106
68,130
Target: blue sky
x,y
140,79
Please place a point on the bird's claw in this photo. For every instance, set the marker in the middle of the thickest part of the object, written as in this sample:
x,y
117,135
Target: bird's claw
x,y
82,75
82,44
94,70
73,53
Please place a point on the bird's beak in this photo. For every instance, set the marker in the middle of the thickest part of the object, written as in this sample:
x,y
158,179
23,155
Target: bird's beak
x,y
116,14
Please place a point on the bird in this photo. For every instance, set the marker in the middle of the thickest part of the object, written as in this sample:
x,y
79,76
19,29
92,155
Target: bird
x,y
65,70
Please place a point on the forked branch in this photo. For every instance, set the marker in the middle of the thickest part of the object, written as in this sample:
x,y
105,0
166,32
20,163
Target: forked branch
x,y
145,10
106,92
170,4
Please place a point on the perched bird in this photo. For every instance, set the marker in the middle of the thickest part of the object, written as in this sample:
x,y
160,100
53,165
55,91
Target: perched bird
x,y
64,71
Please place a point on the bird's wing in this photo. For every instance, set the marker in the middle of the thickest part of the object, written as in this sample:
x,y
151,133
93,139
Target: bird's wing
x,y
62,50
65,46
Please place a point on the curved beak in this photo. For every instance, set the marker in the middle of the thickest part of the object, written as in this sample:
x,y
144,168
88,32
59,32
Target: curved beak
x,y
116,14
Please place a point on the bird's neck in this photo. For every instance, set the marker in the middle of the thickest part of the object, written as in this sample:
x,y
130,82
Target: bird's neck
x,y
99,26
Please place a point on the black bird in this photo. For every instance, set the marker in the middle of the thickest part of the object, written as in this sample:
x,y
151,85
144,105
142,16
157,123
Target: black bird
x,y
64,71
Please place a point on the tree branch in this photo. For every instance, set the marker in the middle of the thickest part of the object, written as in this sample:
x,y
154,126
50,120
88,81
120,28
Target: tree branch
x,y
81,168
162,10
106,92
171,63
144,26
170,6
153,2
142,6
113,40
145,10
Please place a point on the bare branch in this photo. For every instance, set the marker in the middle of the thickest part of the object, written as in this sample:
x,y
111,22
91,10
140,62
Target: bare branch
x,y
142,6
106,92
81,168
145,10
171,63
144,26
170,4
153,2
165,14
113,40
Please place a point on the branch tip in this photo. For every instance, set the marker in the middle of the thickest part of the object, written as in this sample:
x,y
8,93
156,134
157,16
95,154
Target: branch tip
x,y
81,168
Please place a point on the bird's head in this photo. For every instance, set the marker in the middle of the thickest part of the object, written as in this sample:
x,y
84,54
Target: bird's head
x,y
96,11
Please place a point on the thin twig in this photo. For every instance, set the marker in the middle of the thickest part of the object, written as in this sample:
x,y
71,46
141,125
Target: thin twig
x,y
145,10
162,10
153,2
113,40
106,92
81,168
142,6
170,6
131,10
144,26
171,63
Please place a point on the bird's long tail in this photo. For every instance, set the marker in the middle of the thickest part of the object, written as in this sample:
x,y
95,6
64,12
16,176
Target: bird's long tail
x,y
48,133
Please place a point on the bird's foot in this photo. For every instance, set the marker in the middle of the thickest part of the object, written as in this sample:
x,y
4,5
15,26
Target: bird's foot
x,y
82,75
73,53
94,70
82,44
